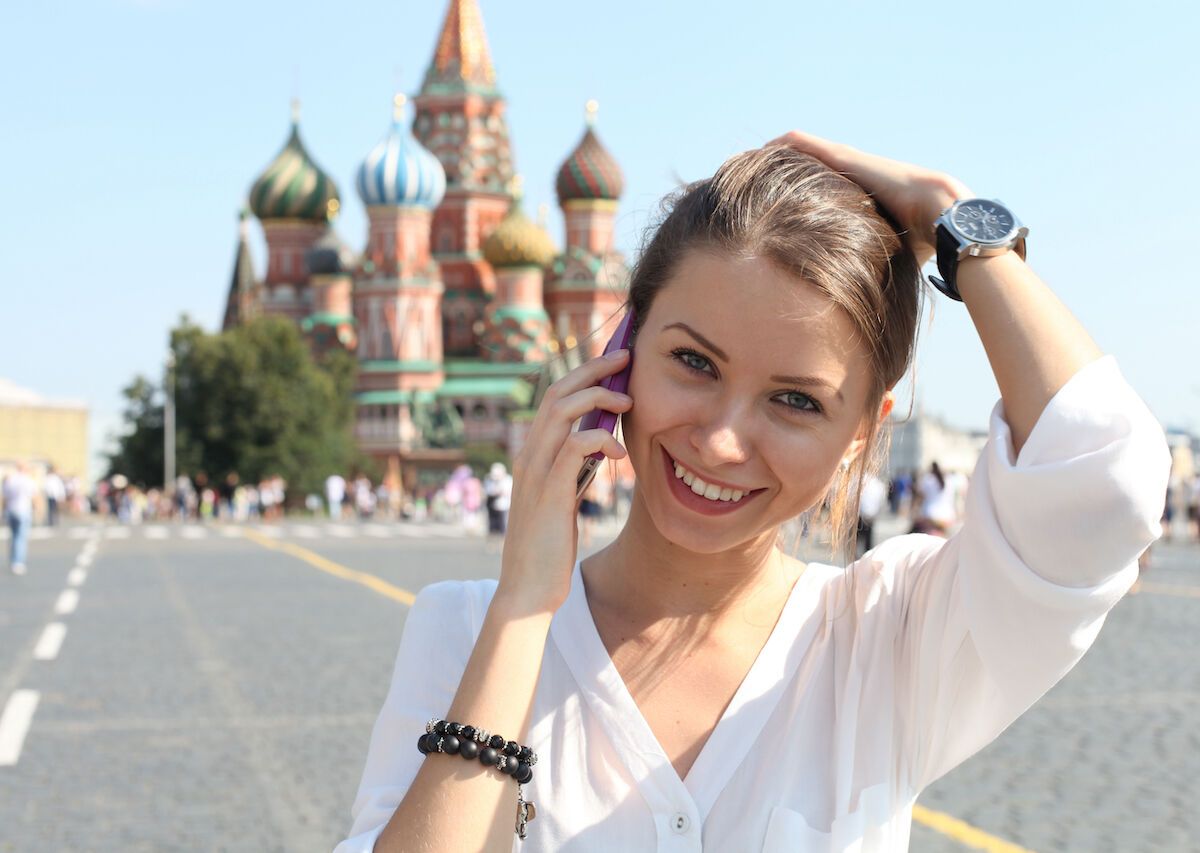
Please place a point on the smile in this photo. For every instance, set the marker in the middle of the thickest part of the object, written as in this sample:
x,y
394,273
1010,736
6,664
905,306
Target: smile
x,y
701,496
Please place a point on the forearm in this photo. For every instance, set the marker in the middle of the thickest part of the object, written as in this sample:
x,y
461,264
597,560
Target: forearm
x,y
454,804
1033,342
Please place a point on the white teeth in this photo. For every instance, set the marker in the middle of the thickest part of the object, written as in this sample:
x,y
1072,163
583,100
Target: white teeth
x,y
706,490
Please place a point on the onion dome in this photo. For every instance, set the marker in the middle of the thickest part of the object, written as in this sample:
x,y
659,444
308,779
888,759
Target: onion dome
x,y
517,241
401,171
293,186
330,256
590,172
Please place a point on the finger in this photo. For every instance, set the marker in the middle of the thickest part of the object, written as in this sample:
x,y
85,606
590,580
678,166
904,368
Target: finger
x,y
554,421
578,447
588,373
832,154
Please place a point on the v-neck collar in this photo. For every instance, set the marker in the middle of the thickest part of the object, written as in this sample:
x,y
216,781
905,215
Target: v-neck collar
x,y
575,634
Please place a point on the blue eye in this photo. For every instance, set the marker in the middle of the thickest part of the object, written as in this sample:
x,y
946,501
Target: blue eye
x,y
812,406
681,355
689,357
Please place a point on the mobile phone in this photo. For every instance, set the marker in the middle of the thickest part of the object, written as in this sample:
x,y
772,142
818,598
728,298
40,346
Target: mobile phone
x,y
602,418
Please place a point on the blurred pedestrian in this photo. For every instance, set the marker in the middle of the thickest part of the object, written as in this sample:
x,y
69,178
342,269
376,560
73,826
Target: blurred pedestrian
x,y
870,504
591,509
18,492
56,493
335,493
497,487
364,497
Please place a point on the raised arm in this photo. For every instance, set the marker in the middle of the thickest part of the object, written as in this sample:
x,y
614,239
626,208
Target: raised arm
x,y
1032,341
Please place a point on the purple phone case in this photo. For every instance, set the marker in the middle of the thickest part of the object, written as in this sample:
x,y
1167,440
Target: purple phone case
x,y
604,419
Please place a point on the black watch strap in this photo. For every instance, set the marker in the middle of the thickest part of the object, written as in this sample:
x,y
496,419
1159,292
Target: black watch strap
x,y
947,263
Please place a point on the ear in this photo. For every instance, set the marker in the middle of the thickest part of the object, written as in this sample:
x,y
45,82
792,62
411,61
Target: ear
x,y
856,446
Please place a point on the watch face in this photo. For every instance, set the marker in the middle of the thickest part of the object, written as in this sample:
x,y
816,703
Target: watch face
x,y
983,221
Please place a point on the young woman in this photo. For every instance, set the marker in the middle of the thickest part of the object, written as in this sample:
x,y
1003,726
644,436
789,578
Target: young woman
x,y
693,687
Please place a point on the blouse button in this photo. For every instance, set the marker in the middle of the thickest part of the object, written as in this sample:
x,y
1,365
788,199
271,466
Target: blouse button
x,y
680,822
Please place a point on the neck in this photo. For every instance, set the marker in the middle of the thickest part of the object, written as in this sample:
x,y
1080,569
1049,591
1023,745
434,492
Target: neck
x,y
648,579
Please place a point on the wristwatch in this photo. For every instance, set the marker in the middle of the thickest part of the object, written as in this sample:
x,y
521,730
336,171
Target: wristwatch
x,y
974,227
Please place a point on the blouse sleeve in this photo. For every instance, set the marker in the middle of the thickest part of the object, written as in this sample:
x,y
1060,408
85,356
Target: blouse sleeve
x,y
988,621
435,646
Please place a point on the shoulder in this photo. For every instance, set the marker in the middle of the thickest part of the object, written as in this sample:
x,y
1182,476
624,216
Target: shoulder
x,y
882,576
454,603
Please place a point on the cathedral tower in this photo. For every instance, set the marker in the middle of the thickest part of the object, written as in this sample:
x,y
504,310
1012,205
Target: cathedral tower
x,y
397,297
460,118
587,283
295,201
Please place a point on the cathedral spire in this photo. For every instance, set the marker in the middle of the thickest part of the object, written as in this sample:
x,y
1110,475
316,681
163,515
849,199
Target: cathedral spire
x,y
461,61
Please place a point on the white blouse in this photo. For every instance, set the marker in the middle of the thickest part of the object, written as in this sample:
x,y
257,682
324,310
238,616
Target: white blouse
x,y
876,680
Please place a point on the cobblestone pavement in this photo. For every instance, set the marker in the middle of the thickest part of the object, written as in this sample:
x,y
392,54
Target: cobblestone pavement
x,y
211,694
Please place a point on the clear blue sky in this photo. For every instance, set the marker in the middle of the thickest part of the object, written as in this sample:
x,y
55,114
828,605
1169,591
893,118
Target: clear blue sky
x,y
131,130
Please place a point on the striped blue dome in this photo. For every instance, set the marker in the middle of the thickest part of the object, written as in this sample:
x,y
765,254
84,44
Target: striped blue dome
x,y
400,171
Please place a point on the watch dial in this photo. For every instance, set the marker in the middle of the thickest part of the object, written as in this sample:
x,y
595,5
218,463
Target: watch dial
x,y
983,221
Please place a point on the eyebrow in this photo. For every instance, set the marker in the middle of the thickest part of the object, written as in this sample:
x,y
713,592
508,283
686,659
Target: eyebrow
x,y
789,380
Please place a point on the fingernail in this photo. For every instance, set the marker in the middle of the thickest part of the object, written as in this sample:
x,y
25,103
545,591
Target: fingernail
x,y
615,354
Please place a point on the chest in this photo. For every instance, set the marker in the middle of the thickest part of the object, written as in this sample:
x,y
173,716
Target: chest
x,y
682,690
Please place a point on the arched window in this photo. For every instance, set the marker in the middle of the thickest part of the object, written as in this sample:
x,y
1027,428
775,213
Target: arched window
x,y
480,412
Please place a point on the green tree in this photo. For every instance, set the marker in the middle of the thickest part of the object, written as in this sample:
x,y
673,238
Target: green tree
x,y
253,400
139,454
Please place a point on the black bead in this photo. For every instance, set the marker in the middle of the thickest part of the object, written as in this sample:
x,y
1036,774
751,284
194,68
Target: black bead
x,y
455,728
488,756
512,748
513,767
440,727
524,773
468,732
421,745
525,754
468,749
450,744
496,742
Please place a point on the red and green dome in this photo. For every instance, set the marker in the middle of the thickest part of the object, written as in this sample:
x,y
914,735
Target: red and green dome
x,y
590,172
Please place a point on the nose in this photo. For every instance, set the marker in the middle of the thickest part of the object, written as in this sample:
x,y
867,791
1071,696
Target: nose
x,y
724,440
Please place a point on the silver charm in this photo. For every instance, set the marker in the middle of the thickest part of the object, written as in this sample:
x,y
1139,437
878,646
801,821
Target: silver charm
x,y
429,726
526,811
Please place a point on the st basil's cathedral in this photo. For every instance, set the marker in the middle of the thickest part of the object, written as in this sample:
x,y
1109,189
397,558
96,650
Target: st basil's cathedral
x,y
459,305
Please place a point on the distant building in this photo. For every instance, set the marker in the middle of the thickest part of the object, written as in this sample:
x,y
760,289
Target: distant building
x,y
923,439
42,432
457,298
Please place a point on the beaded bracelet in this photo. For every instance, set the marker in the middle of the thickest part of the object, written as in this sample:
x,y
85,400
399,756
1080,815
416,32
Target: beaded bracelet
x,y
509,757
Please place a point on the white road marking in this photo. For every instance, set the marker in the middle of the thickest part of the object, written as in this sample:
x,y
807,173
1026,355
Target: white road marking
x,y
76,576
231,532
193,532
304,531
41,533
14,724
117,533
68,600
268,530
156,531
50,641
79,533
340,531
379,531
83,561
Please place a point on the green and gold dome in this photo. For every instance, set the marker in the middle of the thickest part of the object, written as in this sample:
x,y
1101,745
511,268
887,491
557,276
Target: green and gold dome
x,y
517,240
294,186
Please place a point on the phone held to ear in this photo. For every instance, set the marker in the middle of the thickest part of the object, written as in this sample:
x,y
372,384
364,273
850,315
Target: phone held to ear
x,y
602,418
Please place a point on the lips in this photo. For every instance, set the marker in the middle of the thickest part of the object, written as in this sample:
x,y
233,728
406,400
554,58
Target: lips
x,y
684,494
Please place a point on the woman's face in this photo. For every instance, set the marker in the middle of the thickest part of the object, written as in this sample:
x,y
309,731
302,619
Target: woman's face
x,y
766,392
